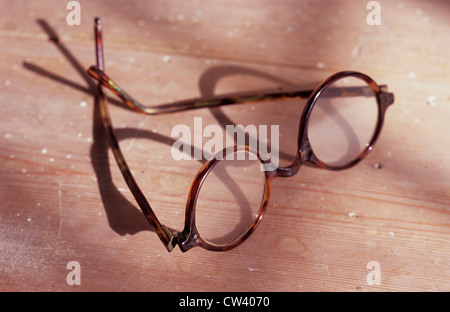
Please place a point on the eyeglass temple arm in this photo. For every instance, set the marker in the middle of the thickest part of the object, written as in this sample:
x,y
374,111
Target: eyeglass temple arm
x,y
166,236
352,91
97,73
100,75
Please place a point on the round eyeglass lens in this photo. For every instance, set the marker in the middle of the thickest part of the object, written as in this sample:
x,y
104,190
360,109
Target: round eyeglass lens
x,y
343,121
230,198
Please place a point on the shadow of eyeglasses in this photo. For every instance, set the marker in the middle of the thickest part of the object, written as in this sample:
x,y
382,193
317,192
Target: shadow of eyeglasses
x,y
123,217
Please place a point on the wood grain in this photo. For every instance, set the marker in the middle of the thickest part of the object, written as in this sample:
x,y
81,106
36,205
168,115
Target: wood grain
x,y
63,199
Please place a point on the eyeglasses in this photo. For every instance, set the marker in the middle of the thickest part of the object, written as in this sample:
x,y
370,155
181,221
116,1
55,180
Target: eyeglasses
x,y
338,127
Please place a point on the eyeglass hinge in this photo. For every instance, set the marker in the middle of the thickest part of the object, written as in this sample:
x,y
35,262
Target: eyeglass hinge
x,y
386,98
172,238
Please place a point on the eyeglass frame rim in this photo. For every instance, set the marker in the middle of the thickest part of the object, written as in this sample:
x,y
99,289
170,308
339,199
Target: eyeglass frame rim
x,y
190,237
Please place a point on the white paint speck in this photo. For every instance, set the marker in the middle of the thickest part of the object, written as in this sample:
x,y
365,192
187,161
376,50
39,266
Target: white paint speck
x,y
83,104
320,65
166,59
411,75
431,100
255,269
29,219
391,234
44,151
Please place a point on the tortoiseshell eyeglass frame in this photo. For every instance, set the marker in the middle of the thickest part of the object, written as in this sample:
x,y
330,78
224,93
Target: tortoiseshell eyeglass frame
x,y
189,237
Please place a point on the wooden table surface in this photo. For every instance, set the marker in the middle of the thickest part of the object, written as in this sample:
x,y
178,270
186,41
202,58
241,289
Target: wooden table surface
x,y
62,197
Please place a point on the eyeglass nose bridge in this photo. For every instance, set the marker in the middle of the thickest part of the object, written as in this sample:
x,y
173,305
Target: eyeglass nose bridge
x,y
304,154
